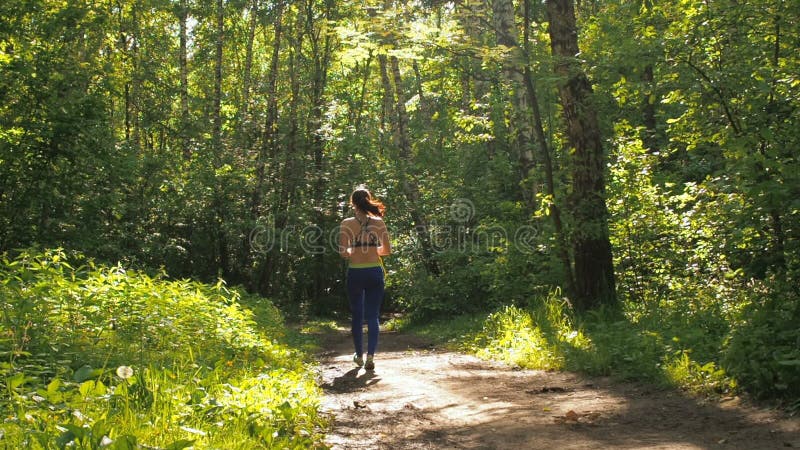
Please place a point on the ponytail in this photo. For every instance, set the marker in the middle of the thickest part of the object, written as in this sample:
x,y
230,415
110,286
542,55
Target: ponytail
x,y
363,200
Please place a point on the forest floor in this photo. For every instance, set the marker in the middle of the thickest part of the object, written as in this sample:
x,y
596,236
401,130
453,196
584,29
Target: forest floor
x,y
423,397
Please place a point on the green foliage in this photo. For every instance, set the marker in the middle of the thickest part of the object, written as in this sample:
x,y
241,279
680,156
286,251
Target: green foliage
x,y
538,339
108,145
665,349
763,352
685,270
705,379
103,357
108,311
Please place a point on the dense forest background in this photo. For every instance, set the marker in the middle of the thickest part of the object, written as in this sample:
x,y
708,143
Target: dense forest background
x,y
518,145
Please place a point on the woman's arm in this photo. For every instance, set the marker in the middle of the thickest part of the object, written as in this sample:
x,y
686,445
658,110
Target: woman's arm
x,y
344,241
385,249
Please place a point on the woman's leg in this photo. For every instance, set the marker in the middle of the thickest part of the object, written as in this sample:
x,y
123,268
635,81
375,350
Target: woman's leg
x,y
355,292
373,297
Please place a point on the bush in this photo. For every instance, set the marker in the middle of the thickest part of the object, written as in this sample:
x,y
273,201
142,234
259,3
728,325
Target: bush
x,y
764,351
94,356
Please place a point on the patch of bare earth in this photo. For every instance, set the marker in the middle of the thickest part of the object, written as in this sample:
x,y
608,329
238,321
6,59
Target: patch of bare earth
x,y
421,397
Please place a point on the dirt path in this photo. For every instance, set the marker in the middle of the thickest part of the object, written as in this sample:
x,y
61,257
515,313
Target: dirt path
x,y
420,397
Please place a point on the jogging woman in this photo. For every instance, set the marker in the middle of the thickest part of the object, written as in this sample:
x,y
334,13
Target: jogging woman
x,y
363,240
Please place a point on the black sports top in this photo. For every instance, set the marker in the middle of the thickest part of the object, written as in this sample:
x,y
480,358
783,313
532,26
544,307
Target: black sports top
x,y
372,239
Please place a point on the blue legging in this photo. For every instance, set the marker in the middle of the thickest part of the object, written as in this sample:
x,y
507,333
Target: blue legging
x,y
365,291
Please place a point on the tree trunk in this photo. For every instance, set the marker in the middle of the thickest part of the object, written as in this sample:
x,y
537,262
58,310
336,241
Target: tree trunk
x,y
424,107
134,93
650,134
594,266
410,188
505,28
466,75
321,52
219,202
269,144
356,118
387,111
268,153
538,127
248,61
475,84
778,238
183,17
217,107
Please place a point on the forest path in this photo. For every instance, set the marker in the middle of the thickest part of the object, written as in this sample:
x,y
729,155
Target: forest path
x,y
422,397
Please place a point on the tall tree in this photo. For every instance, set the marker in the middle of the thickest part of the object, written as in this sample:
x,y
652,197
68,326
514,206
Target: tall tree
x,y
219,47
248,60
183,52
546,157
322,43
409,186
594,266
269,143
507,34
396,120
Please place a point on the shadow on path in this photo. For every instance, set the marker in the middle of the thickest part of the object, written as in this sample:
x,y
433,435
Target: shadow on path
x,y
422,398
351,381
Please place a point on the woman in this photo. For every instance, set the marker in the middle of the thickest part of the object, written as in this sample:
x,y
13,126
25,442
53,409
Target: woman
x,y
363,240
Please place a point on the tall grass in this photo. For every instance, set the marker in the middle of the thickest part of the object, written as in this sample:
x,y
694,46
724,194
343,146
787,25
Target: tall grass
x,y
548,335
102,357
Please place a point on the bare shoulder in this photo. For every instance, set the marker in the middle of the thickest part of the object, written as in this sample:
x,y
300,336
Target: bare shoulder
x,y
379,222
348,223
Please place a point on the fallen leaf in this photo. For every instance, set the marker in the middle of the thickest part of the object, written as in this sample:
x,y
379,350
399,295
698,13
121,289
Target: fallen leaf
x,y
571,416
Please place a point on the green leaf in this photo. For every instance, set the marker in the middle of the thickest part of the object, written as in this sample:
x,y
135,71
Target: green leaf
x,y
94,388
53,386
71,434
86,373
65,438
789,362
125,442
180,444
53,393
15,381
100,429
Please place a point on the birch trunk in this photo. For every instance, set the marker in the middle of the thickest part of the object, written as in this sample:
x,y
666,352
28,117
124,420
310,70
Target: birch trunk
x,y
505,27
183,17
217,106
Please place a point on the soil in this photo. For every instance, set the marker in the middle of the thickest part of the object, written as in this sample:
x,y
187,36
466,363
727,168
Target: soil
x,y
423,397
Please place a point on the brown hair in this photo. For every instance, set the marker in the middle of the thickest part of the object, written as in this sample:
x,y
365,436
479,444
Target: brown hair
x,y
363,200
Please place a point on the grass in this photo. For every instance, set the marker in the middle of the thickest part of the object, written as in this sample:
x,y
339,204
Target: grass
x,y
101,357
548,335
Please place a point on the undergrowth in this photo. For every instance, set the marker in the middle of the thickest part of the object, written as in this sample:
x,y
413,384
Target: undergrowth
x,y
697,349
102,357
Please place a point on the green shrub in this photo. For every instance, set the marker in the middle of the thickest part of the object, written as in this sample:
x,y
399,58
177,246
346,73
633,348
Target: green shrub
x,y
94,356
539,337
764,350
